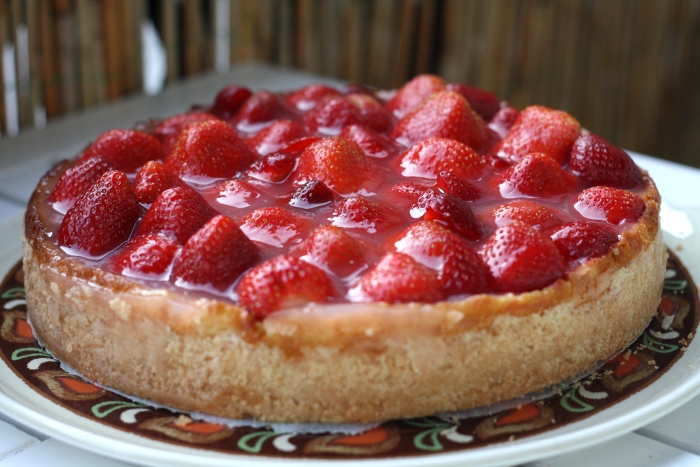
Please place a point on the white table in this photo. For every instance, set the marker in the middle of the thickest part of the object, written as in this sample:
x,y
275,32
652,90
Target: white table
x,y
674,440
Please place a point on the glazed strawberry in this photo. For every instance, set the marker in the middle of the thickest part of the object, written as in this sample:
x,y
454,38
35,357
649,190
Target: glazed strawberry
x,y
237,193
374,115
583,240
413,93
522,259
257,112
152,180
503,121
313,194
453,185
169,131
282,282
398,278
330,116
176,213
229,100
215,255
460,269
450,211
332,249
357,212
76,180
337,162
309,96
146,257
540,129
445,114
485,103
207,150
431,156
537,175
600,163
272,226
274,167
102,218
276,136
611,204
372,143
297,147
125,150
409,191
533,214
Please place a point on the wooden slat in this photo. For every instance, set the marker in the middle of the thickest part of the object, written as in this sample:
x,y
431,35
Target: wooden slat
x,y
68,53
169,25
92,58
50,78
35,62
4,21
19,36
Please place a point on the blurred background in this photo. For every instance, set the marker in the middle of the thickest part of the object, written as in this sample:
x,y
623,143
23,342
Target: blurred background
x,y
628,70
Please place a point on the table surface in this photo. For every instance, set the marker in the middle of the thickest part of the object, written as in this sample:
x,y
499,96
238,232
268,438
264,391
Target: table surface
x,y
673,440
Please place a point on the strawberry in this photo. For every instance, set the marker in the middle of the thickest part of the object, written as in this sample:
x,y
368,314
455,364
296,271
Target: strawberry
x,y
176,213
148,257
581,240
453,185
398,278
503,121
522,259
450,211
169,131
533,214
276,136
337,162
445,114
374,115
614,205
207,150
274,167
257,111
236,193
540,129
282,282
331,115
332,249
152,180
215,255
357,212
372,143
413,93
125,150
460,269
485,103
410,191
272,226
76,180
102,218
431,156
229,100
536,175
600,163
295,148
313,194
309,96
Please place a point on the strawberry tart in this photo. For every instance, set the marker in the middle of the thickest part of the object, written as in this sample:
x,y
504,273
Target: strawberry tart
x,y
329,255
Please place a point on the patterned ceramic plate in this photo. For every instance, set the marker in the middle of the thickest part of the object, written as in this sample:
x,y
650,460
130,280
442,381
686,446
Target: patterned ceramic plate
x,y
649,379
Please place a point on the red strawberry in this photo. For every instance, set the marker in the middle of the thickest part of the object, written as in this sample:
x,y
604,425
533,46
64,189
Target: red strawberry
x,y
332,249
102,218
582,240
282,282
540,129
152,180
125,150
169,131
297,147
215,255
372,143
272,226
503,121
257,111
309,96
337,162
611,204
413,93
357,212
237,193
209,149
600,163
313,194
533,214
445,114
522,259
176,213
398,278
453,185
330,116
276,136
76,180
460,269
434,155
485,103
374,114
274,167
409,191
450,211
537,175
229,100
146,257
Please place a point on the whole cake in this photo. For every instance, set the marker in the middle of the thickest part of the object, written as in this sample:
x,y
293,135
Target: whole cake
x,y
343,255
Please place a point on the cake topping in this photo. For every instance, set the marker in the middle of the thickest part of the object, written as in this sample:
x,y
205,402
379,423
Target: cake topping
x,y
152,180
611,204
76,180
147,257
582,240
125,150
536,175
600,163
431,156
